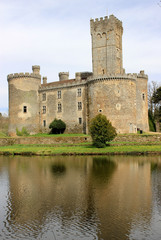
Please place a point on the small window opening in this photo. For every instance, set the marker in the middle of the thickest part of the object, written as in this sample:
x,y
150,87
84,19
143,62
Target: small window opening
x,y
59,94
79,105
100,110
80,120
143,96
44,109
44,97
103,71
44,123
59,107
79,92
25,109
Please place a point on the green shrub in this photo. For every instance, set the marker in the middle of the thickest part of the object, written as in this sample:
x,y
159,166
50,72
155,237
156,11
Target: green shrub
x,y
57,126
101,131
23,132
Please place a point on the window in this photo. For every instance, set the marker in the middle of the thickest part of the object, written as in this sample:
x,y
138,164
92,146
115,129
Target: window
x,y
44,97
44,123
143,95
59,107
100,110
79,105
44,109
80,120
25,109
59,94
79,92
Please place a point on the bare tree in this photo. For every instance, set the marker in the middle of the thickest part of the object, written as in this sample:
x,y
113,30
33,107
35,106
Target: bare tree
x,y
152,87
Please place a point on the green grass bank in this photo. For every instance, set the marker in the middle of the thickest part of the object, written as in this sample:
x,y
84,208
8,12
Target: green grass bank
x,y
47,150
79,144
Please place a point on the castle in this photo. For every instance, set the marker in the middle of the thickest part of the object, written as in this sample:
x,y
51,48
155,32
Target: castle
x,y
107,89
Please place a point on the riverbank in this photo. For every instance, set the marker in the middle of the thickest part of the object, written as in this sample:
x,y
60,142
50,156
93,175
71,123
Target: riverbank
x,y
83,149
79,144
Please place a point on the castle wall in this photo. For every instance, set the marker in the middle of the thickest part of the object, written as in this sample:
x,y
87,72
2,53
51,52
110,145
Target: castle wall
x,y
116,99
24,102
68,98
108,90
142,102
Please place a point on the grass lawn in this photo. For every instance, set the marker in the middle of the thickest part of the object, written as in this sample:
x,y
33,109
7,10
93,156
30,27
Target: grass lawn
x,y
2,135
59,135
81,149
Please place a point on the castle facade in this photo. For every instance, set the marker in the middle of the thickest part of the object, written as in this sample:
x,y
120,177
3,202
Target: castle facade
x,y
107,89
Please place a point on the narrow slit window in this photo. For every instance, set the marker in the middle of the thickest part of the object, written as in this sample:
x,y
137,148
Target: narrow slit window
x,y
80,120
25,109
44,123
59,107
79,91
59,94
79,105
44,97
143,95
44,109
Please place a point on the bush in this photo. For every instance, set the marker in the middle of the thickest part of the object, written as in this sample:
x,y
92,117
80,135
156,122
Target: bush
x,y
101,131
23,132
57,126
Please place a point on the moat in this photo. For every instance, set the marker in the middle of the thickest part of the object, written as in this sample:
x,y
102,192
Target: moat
x,y
80,197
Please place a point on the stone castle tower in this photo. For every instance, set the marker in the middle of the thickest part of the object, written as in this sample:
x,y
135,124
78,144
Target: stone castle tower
x,y
121,97
106,46
24,100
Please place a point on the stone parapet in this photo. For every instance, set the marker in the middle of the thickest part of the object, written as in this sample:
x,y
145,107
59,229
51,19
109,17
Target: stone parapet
x,y
99,22
62,84
113,77
23,75
142,75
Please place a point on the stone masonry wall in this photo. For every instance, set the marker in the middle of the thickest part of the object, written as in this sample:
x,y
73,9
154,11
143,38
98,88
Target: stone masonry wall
x,y
23,91
72,140
142,102
116,99
106,45
70,113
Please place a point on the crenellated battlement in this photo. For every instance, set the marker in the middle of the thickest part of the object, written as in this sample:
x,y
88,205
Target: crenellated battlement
x,y
23,75
142,75
138,75
34,74
105,23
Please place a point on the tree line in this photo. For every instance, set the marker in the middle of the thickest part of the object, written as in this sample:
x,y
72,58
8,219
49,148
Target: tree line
x,y
154,106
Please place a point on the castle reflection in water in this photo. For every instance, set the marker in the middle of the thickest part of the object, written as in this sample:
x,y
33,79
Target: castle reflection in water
x,y
79,197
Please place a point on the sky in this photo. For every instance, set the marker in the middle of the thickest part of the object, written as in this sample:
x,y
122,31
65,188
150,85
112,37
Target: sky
x,y
55,34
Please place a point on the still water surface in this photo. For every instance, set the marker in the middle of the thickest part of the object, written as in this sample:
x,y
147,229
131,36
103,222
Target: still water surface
x,y
80,198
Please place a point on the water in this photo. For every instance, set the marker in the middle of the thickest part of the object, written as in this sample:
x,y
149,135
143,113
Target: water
x,y
77,198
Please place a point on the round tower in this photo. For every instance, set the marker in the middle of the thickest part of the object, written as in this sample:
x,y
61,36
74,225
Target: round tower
x,y
63,76
142,101
24,101
114,97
